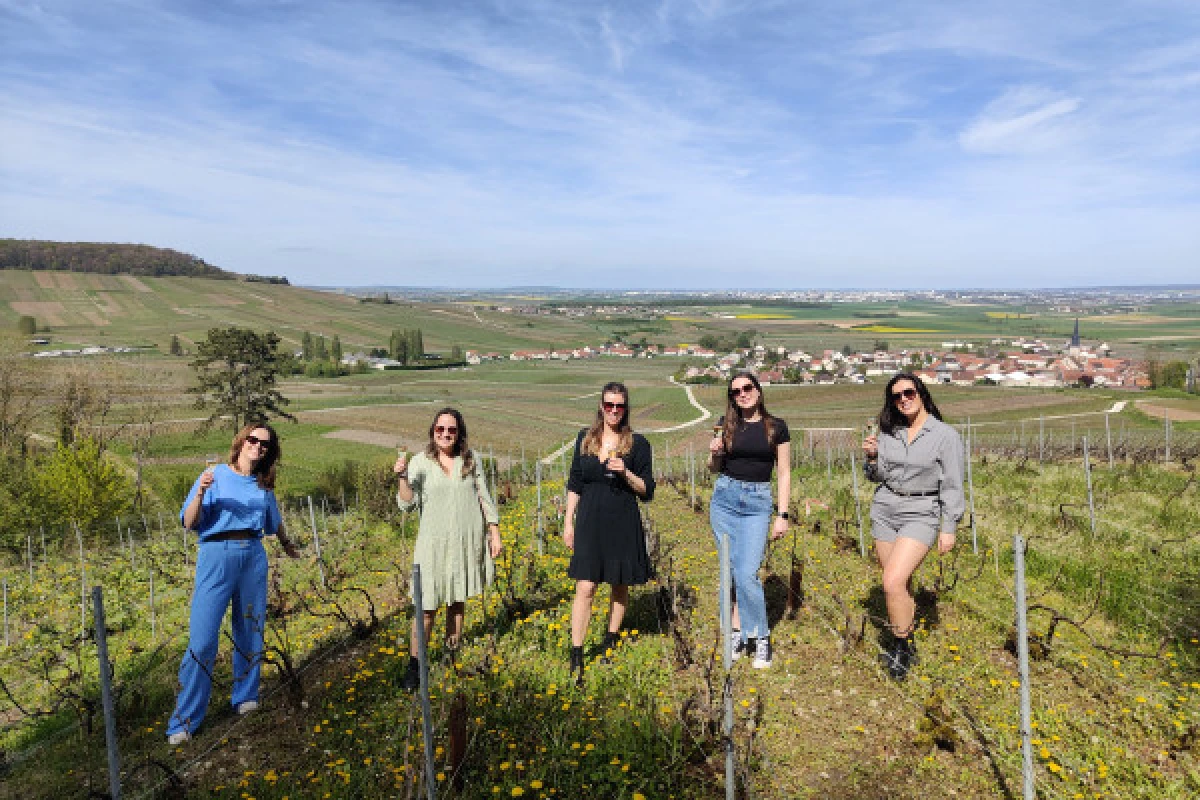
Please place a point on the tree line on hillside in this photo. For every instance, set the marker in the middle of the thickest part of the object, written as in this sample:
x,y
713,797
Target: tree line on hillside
x,y
104,258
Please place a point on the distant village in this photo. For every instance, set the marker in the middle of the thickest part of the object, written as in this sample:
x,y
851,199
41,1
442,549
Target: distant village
x,y
1002,362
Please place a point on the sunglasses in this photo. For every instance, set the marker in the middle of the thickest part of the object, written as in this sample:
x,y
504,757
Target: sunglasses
x,y
906,394
611,407
738,391
254,440
448,430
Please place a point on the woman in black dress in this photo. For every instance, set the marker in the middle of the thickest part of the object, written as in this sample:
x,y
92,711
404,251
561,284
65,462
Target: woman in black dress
x,y
611,470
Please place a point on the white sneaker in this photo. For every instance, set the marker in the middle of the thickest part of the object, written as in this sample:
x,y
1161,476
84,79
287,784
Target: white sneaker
x,y
737,644
176,739
247,707
762,653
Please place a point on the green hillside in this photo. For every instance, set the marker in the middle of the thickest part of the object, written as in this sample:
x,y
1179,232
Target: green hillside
x,y
85,308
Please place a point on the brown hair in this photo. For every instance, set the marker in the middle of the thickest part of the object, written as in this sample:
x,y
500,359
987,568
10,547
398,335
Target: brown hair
x,y
264,470
595,434
460,444
733,412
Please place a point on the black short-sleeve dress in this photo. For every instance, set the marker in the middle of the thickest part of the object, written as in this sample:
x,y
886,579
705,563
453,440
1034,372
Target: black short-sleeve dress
x,y
610,543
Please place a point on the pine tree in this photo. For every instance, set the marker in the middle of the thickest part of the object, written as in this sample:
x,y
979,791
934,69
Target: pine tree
x,y
236,370
176,347
320,350
335,349
306,346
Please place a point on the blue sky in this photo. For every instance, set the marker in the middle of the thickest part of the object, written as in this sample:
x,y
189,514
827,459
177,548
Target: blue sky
x,y
702,144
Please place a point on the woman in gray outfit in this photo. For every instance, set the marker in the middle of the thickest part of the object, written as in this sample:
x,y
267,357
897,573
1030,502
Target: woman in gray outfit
x,y
918,461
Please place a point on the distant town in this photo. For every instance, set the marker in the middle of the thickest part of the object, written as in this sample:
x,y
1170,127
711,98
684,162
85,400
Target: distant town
x,y
1002,362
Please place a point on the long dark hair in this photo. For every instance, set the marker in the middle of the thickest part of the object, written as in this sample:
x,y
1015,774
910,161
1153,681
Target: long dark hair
x,y
460,444
595,434
264,470
733,412
890,417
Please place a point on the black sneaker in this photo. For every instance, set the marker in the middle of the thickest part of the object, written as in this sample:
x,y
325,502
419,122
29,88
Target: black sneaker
x,y
412,676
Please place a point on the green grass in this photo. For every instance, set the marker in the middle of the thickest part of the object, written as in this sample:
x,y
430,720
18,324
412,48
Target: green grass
x,y
1114,698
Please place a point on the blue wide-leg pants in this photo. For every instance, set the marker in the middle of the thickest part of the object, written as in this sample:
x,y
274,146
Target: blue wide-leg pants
x,y
743,510
228,573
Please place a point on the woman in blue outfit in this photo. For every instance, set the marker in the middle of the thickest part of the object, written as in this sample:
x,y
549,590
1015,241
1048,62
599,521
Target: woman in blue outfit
x,y
231,507
749,445
917,460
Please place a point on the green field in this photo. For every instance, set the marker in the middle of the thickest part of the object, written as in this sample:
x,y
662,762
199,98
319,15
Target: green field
x,y
1116,688
78,309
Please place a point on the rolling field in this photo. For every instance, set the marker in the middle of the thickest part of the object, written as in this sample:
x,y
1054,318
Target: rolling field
x,y
1116,679
122,310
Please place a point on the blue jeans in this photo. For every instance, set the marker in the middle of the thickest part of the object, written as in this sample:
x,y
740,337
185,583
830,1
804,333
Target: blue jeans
x,y
743,510
231,572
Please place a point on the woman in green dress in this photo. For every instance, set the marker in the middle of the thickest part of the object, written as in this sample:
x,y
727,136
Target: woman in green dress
x,y
445,484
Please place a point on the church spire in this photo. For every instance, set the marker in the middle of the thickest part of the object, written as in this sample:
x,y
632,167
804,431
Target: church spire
x,y
1075,335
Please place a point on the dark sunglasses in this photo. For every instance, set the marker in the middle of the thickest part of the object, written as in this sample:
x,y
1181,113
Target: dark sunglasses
x,y
254,440
610,407
738,391
907,394
448,429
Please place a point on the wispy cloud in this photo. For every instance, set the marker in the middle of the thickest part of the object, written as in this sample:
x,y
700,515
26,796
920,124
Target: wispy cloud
x,y
1022,119
688,143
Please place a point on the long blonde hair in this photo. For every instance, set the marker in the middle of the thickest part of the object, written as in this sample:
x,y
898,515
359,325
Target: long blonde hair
x,y
593,439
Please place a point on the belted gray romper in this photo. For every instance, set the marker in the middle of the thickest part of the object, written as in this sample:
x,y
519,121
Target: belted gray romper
x,y
921,484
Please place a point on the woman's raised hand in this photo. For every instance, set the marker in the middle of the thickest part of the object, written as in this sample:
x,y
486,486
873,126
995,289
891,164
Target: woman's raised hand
x,y
401,465
716,445
206,480
870,446
615,465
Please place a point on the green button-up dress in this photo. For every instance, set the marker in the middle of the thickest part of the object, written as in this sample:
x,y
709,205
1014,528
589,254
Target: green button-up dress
x,y
451,540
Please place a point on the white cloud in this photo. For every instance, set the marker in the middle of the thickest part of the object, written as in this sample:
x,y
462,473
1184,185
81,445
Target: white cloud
x,y
1024,119
684,144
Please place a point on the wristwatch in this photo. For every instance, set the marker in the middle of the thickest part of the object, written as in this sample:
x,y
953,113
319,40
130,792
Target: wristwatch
x,y
782,514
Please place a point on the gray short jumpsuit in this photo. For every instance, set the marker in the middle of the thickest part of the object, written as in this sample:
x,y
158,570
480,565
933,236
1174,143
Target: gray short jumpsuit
x,y
921,484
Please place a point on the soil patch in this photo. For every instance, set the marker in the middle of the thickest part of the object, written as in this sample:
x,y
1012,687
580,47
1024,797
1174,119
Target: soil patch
x,y
48,312
1176,414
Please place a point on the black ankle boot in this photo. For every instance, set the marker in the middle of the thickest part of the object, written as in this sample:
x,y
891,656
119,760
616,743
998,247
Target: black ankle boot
x,y
412,675
901,658
608,648
577,665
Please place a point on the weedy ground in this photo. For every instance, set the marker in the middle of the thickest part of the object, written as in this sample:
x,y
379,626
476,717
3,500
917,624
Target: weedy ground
x,y
1115,669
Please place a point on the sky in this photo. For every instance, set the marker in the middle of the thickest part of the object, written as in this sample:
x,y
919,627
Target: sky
x,y
670,145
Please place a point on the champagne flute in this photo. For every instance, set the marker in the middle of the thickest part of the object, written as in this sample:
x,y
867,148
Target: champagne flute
x,y
211,460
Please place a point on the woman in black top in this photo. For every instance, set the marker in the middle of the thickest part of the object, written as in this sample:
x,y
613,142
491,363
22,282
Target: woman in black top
x,y
749,444
610,472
